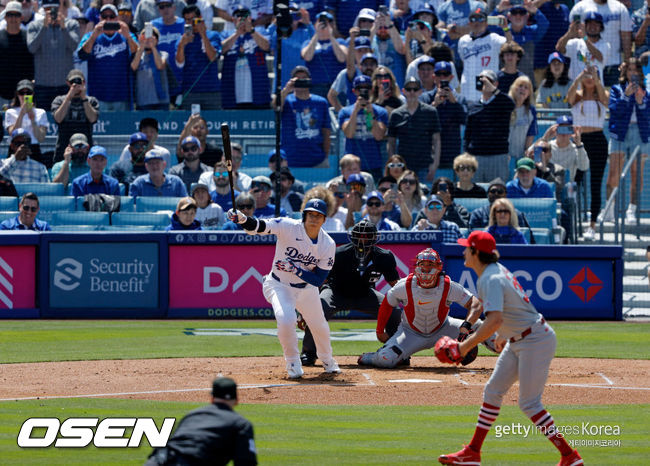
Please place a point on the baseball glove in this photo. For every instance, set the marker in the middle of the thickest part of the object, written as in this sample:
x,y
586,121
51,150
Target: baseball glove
x,y
448,351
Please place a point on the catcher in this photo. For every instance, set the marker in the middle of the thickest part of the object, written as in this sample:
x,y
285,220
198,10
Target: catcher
x,y
426,296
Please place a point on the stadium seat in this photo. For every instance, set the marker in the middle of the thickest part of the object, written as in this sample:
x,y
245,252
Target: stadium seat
x,y
8,203
40,189
127,204
257,171
540,212
80,218
543,236
154,204
122,189
75,228
157,221
5,215
471,203
129,228
57,203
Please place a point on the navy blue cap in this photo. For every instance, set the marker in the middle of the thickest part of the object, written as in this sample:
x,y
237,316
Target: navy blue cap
x,y
97,150
564,120
594,16
362,42
478,11
293,6
362,80
326,15
443,66
283,154
425,8
190,140
375,194
240,7
426,59
518,8
369,55
556,56
136,137
355,178
316,205
19,132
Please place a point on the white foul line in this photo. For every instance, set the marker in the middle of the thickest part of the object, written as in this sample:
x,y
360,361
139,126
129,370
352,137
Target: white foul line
x,y
460,380
605,377
370,382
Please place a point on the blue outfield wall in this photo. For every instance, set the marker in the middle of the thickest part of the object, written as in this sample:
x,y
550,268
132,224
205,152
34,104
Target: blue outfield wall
x,y
218,274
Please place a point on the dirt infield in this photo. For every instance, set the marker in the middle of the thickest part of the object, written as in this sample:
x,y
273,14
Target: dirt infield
x,y
263,380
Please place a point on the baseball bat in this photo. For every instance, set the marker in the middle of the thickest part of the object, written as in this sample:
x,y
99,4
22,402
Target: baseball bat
x,y
227,150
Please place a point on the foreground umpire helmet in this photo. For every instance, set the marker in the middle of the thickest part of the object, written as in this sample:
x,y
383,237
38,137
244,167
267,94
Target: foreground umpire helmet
x,y
364,236
428,267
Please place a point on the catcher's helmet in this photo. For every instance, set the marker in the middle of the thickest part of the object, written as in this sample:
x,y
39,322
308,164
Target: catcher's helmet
x,y
364,236
428,267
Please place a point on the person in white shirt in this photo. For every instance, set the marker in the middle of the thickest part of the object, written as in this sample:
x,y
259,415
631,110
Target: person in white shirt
x,y
585,46
209,213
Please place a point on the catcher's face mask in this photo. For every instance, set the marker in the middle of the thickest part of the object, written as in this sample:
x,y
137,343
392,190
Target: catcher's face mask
x,y
428,268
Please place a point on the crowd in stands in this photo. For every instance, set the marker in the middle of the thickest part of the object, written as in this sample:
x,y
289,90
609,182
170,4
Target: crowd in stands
x,y
416,87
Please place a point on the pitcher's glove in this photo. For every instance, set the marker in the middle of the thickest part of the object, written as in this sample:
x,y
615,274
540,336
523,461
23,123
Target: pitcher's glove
x,y
448,351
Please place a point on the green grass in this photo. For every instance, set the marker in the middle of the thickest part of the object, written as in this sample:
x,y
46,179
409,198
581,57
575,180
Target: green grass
x,y
351,435
69,340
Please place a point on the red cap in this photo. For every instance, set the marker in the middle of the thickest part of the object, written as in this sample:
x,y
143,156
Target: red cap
x,y
481,241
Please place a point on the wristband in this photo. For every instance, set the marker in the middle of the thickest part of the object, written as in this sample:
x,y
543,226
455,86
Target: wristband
x,y
467,326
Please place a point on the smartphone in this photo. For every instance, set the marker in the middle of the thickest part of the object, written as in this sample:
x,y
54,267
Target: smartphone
x,y
112,26
196,109
188,29
516,2
148,30
342,188
538,154
383,10
493,21
54,13
479,83
385,85
576,19
364,93
445,84
302,83
442,187
29,99
364,32
393,187
635,79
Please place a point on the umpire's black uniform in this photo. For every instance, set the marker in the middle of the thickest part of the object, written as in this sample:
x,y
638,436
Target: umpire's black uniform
x,y
350,285
210,435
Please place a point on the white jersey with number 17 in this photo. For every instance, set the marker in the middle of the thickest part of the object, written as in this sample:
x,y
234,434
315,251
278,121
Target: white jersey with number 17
x,y
478,55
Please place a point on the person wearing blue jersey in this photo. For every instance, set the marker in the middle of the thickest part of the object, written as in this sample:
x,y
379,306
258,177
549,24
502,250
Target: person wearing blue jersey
x,y
95,181
170,28
150,67
359,60
108,49
197,55
364,125
302,31
26,219
346,12
306,125
325,54
155,183
388,46
244,73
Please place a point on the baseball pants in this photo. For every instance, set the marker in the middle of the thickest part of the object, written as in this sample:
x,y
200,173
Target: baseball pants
x,y
333,303
527,360
285,300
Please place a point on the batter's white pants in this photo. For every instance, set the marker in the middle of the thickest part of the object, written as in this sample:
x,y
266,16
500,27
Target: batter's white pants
x,y
285,300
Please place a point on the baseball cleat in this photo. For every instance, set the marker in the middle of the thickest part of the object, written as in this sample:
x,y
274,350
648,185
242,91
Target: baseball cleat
x,y
365,359
331,367
404,362
308,359
466,456
294,369
573,459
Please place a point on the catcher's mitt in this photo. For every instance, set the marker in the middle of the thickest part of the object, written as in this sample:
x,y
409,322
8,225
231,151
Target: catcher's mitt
x,y
448,351
471,356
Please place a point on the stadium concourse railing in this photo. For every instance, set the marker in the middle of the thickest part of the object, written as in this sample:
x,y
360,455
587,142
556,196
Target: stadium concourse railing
x,y
215,275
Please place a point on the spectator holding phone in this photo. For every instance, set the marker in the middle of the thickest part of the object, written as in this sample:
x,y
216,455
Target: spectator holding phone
x,y
209,152
552,172
395,208
150,67
359,60
557,14
388,44
585,45
566,146
24,114
19,166
422,32
170,29
147,10
385,92
503,224
324,54
465,165
629,128
74,163
197,56
555,86
444,188
245,74
108,49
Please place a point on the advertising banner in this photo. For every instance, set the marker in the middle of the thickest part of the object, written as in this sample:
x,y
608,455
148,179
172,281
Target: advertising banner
x,y
103,275
17,278
226,281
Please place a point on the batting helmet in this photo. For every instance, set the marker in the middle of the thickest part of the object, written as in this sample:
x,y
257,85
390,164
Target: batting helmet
x,y
314,205
428,267
364,236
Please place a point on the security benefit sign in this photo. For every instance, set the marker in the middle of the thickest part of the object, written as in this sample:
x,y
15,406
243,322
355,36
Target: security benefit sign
x,y
104,275
558,288
17,272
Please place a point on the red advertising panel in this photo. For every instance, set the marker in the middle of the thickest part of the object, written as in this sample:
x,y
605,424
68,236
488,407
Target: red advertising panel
x,y
228,276
17,277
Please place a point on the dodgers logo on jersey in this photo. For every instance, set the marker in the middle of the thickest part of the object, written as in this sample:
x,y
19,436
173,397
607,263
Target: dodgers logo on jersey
x,y
467,52
295,255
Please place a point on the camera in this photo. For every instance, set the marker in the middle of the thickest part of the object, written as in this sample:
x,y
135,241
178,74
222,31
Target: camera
x,y
479,83
364,93
54,13
302,83
442,187
76,81
364,32
199,20
382,10
112,26
342,188
445,84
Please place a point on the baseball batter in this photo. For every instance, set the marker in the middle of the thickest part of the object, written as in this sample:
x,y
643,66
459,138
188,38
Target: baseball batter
x,y
304,254
528,347
426,296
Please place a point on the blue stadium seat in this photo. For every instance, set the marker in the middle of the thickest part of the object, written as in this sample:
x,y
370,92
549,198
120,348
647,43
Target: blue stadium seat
x,y
471,203
80,218
315,174
74,228
257,171
128,204
540,212
5,215
130,228
154,204
152,219
40,189
122,188
543,236
57,203
8,203
526,232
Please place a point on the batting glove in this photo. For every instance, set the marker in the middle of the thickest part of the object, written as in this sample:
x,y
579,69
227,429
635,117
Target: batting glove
x,y
285,265
236,216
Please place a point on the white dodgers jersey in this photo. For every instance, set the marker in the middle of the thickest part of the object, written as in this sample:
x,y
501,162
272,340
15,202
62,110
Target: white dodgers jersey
x,y
426,309
293,243
478,55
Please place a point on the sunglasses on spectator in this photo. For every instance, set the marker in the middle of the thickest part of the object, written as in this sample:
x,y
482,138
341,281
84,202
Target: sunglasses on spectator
x,y
502,211
162,6
434,205
245,206
396,165
410,181
13,15
383,190
461,168
109,16
443,73
497,191
382,76
224,174
192,148
411,89
373,204
518,13
79,146
257,186
28,208
476,19
544,149
25,92
139,144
